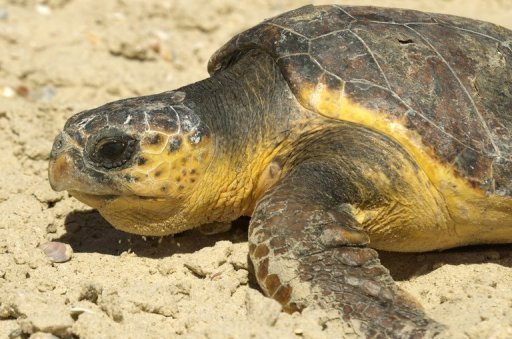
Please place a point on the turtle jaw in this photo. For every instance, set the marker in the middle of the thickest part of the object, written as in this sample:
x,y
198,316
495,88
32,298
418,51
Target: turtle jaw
x,y
138,214
151,216
64,176
100,200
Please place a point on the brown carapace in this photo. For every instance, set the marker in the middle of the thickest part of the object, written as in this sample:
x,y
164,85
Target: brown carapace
x,y
338,129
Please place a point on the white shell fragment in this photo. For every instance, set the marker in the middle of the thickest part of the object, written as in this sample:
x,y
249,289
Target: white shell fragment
x,y
7,92
57,251
43,9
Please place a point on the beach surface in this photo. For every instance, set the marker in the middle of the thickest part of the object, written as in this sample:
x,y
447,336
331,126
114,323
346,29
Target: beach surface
x,y
59,57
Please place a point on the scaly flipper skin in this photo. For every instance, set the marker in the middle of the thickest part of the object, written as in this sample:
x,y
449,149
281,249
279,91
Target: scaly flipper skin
x,y
308,250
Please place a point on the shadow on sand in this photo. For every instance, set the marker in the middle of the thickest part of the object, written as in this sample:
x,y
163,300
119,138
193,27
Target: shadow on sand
x,y
88,232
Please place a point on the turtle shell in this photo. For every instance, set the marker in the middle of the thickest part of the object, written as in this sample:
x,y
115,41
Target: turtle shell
x,y
440,85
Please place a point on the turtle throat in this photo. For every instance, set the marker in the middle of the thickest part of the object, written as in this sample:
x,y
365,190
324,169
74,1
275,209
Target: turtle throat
x,y
250,112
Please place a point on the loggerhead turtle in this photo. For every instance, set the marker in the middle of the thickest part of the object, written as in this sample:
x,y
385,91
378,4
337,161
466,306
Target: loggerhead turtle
x,y
338,129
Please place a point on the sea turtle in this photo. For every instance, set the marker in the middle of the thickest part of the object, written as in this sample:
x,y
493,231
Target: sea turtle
x,y
338,129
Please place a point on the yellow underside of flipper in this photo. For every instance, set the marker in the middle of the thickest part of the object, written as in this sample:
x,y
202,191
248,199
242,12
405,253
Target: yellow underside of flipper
x,y
469,215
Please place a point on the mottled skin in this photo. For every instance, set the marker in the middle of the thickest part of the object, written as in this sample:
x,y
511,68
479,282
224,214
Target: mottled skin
x,y
338,129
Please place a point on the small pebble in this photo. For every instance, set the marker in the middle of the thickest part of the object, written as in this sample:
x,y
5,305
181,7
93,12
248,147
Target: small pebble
x,y
20,259
45,287
162,35
76,311
22,91
57,251
4,15
16,333
61,290
43,9
45,93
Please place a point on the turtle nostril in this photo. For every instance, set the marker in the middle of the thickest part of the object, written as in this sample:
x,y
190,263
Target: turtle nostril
x,y
58,144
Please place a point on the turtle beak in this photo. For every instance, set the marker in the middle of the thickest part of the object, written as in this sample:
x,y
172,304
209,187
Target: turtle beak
x,y
58,172
61,165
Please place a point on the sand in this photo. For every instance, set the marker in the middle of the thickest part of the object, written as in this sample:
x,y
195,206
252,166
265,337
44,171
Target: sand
x,y
59,57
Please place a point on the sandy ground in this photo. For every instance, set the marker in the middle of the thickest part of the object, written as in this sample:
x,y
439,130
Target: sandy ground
x,y
59,57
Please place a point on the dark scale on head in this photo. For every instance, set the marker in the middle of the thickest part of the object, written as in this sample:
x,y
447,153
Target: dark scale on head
x,y
193,171
175,144
164,188
142,161
155,139
95,124
164,118
130,178
199,134
158,173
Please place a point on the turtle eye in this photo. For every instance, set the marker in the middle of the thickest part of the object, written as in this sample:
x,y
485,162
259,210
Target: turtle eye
x,y
113,152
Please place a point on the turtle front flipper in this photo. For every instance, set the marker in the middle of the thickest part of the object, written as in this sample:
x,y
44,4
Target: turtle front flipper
x,y
309,251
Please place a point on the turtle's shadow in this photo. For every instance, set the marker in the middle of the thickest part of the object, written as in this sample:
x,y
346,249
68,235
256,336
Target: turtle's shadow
x,y
88,232
404,266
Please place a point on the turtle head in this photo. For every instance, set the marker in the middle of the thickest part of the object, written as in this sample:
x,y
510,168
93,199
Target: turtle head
x,y
137,161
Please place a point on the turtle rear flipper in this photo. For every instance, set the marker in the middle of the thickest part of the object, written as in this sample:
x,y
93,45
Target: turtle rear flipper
x,y
309,251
